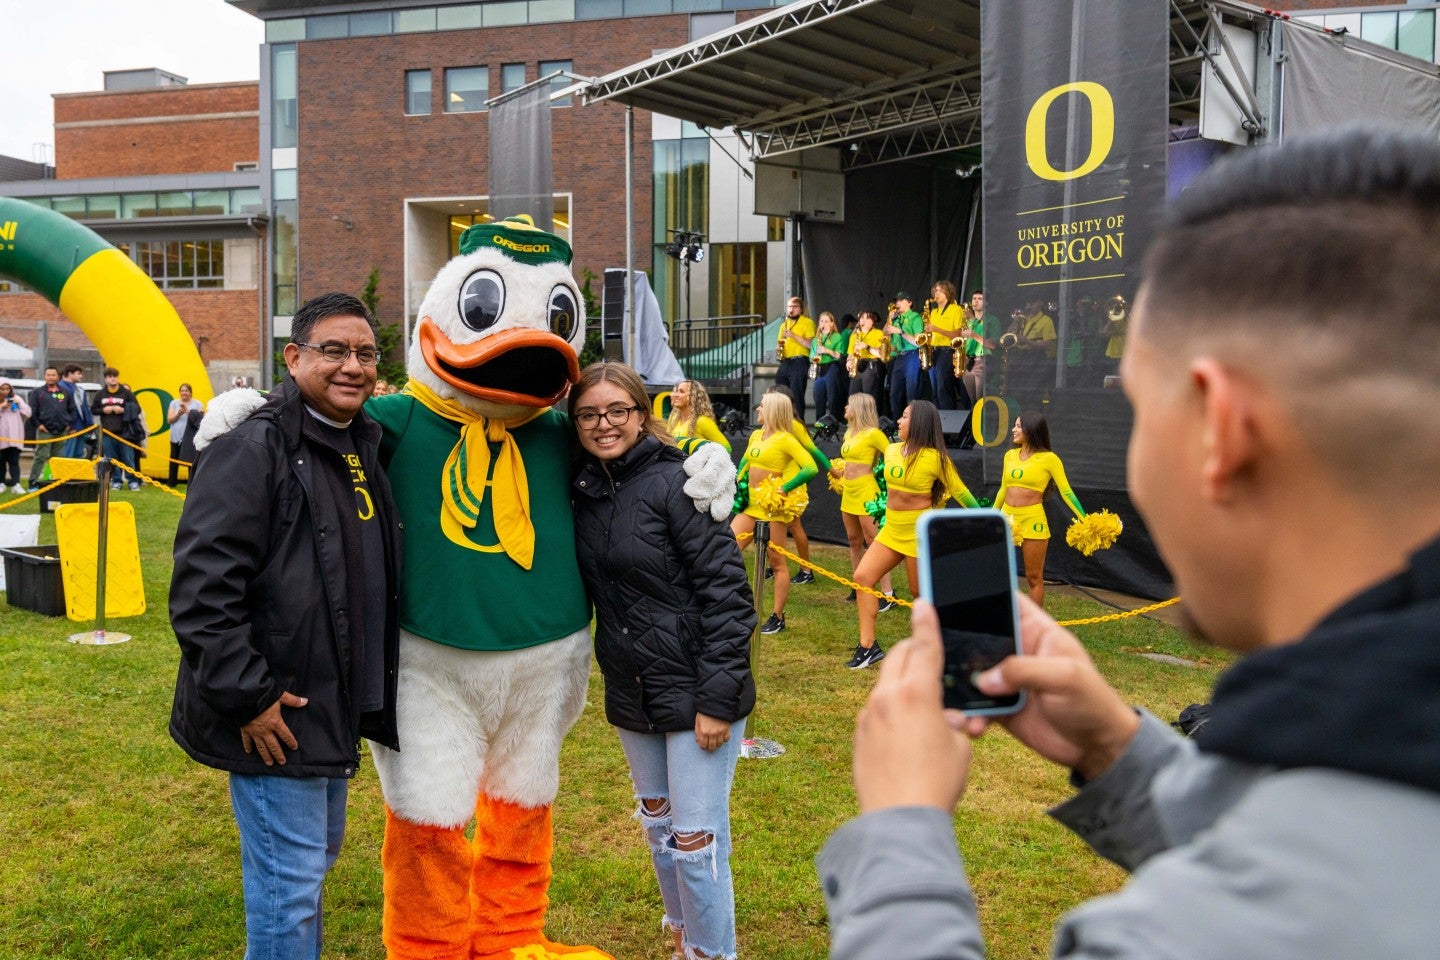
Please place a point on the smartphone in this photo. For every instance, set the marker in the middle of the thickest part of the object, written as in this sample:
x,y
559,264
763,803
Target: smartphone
x,y
967,570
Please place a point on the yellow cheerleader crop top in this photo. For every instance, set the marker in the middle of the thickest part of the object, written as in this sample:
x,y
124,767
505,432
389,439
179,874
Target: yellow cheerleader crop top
x,y
921,473
777,452
705,429
865,447
1035,473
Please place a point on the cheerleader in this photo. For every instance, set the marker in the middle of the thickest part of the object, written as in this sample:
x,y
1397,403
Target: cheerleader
x,y
801,496
919,477
769,457
691,416
863,446
1030,467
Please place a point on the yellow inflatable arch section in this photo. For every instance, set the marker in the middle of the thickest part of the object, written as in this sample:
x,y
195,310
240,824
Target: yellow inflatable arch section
x,y
111,299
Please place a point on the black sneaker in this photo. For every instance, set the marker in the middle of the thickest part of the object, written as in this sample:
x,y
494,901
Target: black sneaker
x,y
775,624
851,597
866,658
806,575
889,603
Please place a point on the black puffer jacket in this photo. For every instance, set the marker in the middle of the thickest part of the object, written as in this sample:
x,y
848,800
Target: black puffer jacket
x,y
259,598
673,609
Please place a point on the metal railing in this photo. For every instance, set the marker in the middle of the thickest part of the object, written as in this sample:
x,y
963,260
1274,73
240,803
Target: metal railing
x,y
719,348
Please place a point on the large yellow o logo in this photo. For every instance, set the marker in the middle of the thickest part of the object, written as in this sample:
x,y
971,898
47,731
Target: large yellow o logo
x,y
977,420
1102,130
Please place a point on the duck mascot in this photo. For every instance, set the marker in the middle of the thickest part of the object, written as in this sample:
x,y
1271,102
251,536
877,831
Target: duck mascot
x,y
495,645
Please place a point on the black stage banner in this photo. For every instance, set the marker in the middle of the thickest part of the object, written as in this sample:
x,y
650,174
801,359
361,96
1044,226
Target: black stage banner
x,y
1075,124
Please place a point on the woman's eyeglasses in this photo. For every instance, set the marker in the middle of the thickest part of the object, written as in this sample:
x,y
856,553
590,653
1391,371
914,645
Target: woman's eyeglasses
x,y
615,416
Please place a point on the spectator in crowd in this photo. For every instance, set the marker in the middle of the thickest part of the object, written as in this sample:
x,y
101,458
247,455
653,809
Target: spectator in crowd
x,y
184,419
14,411
117,418
52,410
76,447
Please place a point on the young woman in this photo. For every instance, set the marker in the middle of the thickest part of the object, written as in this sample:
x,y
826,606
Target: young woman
x,y
829,349
946,322
867,347
1030,467
773,451
919,477
801,496
14,411
182,431
692,416
673,617
864,444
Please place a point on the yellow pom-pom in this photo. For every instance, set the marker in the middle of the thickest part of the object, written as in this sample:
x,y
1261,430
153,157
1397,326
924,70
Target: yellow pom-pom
x,y
1097,531
770,498
837,484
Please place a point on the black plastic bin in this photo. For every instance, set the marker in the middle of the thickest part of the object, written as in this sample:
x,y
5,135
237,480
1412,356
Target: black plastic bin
x,y
71,491
32,579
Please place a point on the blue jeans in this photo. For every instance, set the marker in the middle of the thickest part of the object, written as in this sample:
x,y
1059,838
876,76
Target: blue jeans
x,y
116,450
695,886
74,447
828,393
290,834
904,382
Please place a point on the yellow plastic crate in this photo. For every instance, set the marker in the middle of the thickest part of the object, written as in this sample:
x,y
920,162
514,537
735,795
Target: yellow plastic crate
x,y
71,468
77,531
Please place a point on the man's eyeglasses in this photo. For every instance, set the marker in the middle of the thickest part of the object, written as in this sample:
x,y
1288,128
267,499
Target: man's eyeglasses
x,y
339,352
616,416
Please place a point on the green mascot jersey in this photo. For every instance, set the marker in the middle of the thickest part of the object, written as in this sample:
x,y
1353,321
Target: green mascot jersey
x,y
468,598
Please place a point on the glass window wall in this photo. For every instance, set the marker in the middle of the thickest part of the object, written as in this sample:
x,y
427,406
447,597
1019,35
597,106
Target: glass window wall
x,y
417,92
466,89
512,76
284,89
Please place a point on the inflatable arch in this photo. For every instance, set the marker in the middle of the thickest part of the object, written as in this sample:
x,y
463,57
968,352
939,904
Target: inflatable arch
x,y
113,302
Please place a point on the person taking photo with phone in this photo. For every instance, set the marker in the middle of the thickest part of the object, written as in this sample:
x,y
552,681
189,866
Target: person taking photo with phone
x,y
1302,820
673,619
918,476
14,411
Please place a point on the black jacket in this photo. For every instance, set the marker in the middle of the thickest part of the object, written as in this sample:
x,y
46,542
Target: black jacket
x,y
259,598
52,410
673,609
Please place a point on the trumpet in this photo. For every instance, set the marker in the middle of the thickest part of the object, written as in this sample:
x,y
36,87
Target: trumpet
x,y
924,341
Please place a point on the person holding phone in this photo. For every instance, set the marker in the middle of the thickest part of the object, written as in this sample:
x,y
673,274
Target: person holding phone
x,y
864,446
179,418
1030,468
769,456
1302,820
919,477
673,619
14,411
692,416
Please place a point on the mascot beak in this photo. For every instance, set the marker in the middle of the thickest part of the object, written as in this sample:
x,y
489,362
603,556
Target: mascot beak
x,y
524,366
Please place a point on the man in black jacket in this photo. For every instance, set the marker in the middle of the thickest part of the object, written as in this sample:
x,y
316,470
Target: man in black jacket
x,y
52,408
284,604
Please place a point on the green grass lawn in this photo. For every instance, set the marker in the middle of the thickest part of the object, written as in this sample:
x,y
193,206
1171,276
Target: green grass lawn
x,y
118,846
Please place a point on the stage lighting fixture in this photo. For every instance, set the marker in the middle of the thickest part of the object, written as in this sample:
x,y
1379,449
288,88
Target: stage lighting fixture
x,y
889,428
694,251
675,248
827,427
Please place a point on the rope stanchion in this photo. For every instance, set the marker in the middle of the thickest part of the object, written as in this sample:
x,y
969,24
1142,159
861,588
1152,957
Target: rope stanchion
x,y
1085,621
100,637
753,747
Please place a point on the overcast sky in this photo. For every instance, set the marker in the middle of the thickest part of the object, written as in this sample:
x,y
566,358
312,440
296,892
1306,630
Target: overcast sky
x,y
63,46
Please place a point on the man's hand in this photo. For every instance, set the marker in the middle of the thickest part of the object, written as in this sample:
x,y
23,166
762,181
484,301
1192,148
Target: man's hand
x,y
1071,715
267,732
908,749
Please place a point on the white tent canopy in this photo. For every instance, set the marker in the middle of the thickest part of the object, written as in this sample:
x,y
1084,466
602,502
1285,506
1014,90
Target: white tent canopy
x,y
14,357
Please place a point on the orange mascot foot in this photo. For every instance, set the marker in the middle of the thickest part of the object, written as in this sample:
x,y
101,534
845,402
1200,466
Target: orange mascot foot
x,y
510,882
427,895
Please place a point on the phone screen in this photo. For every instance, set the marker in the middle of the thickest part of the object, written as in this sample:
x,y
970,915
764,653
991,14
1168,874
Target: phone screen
x,y
967,570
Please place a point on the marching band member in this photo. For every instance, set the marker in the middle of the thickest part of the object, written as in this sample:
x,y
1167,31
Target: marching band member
x,y
827,357
793,352
904,325
867,356
946,323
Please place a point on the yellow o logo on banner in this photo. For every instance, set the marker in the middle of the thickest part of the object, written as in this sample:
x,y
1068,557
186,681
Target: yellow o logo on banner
x,y
1102,130
1003,418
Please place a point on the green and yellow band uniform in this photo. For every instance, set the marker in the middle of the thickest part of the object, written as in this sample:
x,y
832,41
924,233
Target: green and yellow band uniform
x,y
917,474
910,323
948,321
988,328
705,428
866,447
831,341
1034,473
866,346
801,326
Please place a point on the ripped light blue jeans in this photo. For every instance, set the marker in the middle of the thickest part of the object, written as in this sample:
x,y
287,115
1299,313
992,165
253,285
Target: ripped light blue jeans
x,y
695,885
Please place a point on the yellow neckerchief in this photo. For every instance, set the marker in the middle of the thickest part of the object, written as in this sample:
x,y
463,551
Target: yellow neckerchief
x,y
462,482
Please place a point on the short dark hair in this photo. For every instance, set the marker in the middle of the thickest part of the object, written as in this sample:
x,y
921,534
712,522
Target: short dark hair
x,y
52,367
111,372
71,368
323,307
1262,261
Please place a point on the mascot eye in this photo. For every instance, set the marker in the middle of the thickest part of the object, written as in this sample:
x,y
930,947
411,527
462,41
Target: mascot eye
x,y
482,299
563,320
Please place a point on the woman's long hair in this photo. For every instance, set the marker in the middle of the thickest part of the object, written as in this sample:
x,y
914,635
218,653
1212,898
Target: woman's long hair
x,y
866,416
927,431
776,412
609,371
699,407
1036,430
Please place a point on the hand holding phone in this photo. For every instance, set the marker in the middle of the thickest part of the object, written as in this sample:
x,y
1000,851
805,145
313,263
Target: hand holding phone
x,y
967,570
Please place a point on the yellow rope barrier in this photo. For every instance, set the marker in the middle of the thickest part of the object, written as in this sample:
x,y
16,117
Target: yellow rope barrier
x,y
845,582
30,496
144,479
41,443
144,450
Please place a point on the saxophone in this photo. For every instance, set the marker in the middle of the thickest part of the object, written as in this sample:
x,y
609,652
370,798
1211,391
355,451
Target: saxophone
x,y
852,360
957,344
925,342
780,342
815,361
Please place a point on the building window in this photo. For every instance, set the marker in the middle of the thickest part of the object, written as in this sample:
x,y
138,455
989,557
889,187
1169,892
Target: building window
x,y
512,76
1417,34
417,92
547,67
284,110
415,21
681,201
466,89
181,264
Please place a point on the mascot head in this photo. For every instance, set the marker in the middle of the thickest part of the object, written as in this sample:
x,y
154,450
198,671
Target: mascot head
x,y
501,328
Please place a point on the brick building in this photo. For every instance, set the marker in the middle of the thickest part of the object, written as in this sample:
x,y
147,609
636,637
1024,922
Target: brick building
x,y
168,173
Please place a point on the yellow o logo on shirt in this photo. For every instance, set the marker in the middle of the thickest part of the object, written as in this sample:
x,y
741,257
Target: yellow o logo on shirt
x,y
1102,130
897,472
1017,473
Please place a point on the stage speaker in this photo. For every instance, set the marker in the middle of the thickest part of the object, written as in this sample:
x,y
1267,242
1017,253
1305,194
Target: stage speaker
x,y
612,314
955,421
